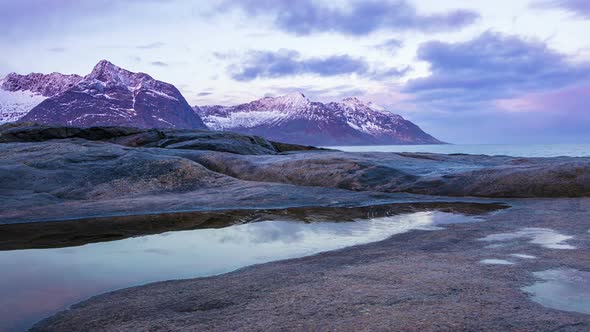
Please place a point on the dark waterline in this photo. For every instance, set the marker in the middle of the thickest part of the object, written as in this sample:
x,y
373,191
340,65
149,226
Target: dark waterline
x,y
39,282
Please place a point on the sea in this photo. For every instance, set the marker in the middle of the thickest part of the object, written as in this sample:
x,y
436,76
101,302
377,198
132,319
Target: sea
x,y
513,150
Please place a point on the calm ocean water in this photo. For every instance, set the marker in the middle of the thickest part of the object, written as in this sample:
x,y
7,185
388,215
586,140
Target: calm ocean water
x,y
532,150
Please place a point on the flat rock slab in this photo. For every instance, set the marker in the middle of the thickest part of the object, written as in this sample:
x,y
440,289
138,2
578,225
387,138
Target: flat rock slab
x,y
57,173
417,281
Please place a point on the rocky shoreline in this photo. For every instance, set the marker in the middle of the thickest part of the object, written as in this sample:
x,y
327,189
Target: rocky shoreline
x,y
60,173
417,281
64,186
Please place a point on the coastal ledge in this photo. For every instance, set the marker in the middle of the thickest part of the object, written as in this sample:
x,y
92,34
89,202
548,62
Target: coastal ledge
x,y
118,174
59,173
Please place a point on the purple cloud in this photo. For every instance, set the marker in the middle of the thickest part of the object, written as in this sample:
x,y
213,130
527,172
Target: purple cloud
x,y
31,18
390,45
159,64
493,66
578,7
284,63
498,83
262,64
57,49
304,17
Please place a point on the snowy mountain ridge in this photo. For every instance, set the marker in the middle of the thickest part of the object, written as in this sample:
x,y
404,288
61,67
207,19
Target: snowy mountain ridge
x,y
111,95
294,118
21,93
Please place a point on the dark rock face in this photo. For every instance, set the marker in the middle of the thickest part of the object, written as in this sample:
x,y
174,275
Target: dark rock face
x,y
112,96
47,85
160,138
295,119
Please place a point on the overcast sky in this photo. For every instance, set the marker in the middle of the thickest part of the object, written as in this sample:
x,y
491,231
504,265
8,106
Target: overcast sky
x,y
466,71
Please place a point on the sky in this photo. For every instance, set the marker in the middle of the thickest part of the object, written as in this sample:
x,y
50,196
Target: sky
x,y
466,71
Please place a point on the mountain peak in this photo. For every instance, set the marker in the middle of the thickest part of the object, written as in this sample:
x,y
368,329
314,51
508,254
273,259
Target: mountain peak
x,y
355,102
292,118
107,72
104,62
103,66
296,99
296,95
111,95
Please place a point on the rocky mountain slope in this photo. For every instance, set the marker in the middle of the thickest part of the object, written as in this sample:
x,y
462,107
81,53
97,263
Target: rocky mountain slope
x,y
21,93
108,96
295,119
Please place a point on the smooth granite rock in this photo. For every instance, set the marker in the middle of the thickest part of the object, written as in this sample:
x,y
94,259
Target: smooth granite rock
x,y
135,137
56,173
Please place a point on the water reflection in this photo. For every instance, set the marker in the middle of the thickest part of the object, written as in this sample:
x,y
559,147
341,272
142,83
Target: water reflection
x,y
36,283
495,261
544,237
523,256
562,289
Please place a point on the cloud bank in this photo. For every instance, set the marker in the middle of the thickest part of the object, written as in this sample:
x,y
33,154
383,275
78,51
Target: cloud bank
x,y
305,17
492,66
580,8
286,63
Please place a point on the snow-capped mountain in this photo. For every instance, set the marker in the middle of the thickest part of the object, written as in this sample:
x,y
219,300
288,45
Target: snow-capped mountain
x,y
20,93
110,96
295,119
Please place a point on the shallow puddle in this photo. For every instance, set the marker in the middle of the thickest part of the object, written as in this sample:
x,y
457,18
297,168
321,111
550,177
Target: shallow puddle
x,y
523,256
494,261
562,289
544,237
36,283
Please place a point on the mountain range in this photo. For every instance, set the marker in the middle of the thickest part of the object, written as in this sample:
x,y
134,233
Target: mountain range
x,y
111,95
293,118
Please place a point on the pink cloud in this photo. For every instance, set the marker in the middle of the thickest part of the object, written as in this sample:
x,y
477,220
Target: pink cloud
x,y
572,99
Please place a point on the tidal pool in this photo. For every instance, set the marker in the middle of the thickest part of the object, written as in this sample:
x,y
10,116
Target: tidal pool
x,y
36,283
562,289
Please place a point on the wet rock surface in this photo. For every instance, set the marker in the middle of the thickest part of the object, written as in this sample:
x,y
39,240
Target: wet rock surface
x,y
50,173
429,174
426,281
62,186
